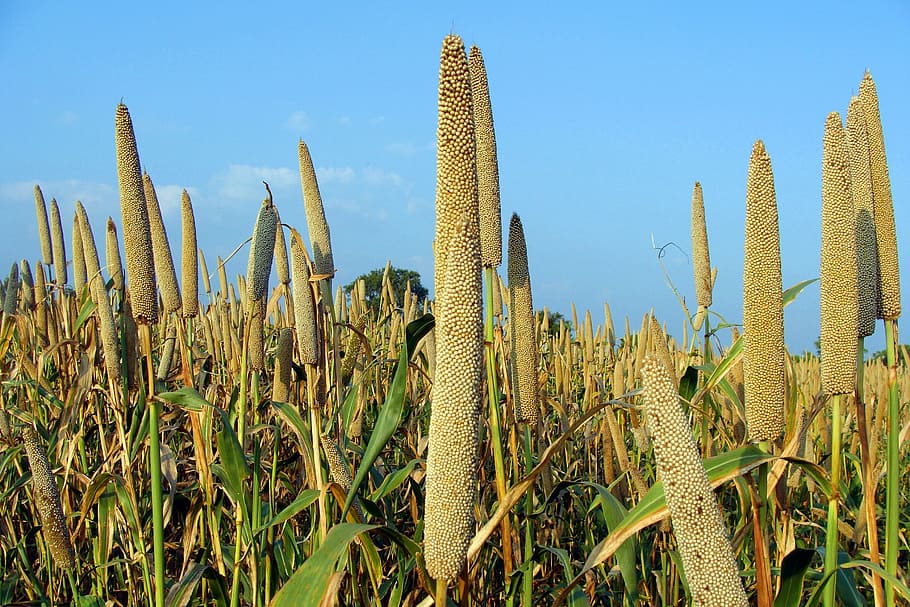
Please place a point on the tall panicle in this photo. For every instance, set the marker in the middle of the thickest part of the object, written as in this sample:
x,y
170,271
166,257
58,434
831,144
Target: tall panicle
x,y
704,545
189,263
320,239
112,254
889,282
304,306
701,258
763,314
28,285
57,245
137,232
451,478
866,246
262,251
99,296
165,271
44,228
839,298
487,165
79,271
522,326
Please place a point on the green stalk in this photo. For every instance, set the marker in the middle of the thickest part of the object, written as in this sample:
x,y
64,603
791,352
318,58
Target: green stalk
x,y
155,469
831,532
256,513
495,421
892,500
315,431
869,483
241,437
527,585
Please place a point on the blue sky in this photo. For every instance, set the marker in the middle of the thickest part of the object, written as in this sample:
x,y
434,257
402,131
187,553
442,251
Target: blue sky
x,y
605,117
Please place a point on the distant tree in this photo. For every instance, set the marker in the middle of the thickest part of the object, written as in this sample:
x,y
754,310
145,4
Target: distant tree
x,y
398,277
554,318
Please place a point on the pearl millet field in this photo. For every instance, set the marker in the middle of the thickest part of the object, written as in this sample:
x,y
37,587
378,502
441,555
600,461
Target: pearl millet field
x,y
276,439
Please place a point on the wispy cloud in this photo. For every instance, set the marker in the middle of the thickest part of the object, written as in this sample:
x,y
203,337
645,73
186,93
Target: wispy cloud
x,y
169,197
66,191
244,182
378,177
298,121
335,174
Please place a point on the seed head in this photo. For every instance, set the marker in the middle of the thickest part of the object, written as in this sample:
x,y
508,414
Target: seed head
x,y
487,165
189,262
521,315
99,295
701,259
11,296
763,314
704,546
57,245
281,385
79,271
28,285
44,229
889,282
866,246
282,269
47,501
838,266
137,232
112,250
262,250
451,481
304,306
320,239
161,249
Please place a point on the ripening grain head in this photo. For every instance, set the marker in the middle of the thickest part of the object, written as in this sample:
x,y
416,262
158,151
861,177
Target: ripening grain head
x,y
521,323
701,260
189,278
320,239
165,272
57,245
137,232
763,313
889,283
262,250
866,246
704,546
838,265
44,229
487,165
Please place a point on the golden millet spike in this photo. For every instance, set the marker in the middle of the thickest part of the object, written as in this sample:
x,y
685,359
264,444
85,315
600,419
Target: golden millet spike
x,y
659,348
281,384
161,249
282,269
57,245
487,165
889,283
451,480
79,272
109,341
763,314
189,262
866,247
47,501
137,232
11,296
28,285
456,175
522,325
112,252
44,228
701,259
262,250
318,227
304,306
704,546
838,265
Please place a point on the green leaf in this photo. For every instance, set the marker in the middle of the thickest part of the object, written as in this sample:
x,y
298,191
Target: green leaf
x,y
186,398
577,598
89,601
308,584
88,306
233,470
688,383
791,293
392,481
306,497
614,513
180,593
792,571
390,415
292,417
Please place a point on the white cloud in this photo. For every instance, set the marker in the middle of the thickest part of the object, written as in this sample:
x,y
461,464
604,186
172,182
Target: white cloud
x,y
298,121
335,174
244,182
374,176
356,208
170,197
